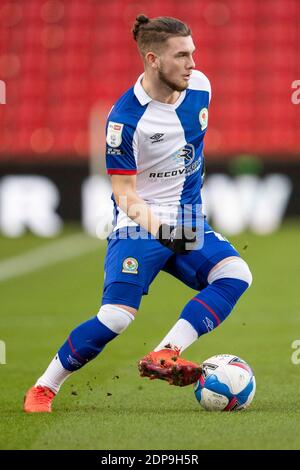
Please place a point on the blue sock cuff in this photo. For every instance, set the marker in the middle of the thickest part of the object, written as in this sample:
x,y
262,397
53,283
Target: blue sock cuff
x,y
211,306
84,343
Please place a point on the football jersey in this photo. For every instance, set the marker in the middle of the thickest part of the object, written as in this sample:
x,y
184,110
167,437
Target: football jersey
x,y
162,144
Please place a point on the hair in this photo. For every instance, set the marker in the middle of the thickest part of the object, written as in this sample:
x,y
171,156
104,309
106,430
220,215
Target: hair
x,y
153,32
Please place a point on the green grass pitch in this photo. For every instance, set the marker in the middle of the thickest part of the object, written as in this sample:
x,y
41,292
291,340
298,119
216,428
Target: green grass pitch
x,y
107,405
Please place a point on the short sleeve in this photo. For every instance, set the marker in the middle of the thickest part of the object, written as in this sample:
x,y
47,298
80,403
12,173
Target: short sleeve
x,y
200,82
120,158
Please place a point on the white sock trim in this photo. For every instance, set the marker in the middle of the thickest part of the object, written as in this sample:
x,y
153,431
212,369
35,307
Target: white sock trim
x,y
235,268
181,336
115,318
54,376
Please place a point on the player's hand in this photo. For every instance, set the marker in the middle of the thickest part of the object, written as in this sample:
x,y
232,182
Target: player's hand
x,y
179,239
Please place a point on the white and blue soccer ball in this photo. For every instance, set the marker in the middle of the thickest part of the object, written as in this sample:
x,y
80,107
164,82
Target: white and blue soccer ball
x,y
226,383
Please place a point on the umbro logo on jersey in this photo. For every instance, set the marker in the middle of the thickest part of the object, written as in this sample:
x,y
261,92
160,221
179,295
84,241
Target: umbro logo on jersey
x,y
156,138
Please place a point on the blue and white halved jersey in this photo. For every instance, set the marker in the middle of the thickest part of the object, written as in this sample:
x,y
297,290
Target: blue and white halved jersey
x,y
162,144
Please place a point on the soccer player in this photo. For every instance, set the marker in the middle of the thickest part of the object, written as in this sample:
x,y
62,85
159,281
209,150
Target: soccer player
x,y
154,155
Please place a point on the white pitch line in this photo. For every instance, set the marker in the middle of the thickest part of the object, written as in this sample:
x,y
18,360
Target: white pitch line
x,y
54,252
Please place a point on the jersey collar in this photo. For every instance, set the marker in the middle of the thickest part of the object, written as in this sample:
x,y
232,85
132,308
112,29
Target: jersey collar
x,y
140,93
144,98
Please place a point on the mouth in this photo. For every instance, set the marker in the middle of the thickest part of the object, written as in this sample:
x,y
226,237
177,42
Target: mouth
x,y
187,77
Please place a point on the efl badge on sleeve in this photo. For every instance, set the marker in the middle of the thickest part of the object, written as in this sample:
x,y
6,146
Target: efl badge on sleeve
x,y
114,134
130,265
203,118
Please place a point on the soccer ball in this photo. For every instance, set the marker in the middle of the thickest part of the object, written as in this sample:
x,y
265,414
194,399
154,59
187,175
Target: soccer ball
x,y
226,383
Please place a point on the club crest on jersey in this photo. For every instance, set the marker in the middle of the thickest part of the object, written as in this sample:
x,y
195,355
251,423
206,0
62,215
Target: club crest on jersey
x,y
114,134
130,265
203,118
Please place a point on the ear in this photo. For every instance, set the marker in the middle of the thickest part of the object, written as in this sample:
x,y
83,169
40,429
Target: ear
x,y
151,59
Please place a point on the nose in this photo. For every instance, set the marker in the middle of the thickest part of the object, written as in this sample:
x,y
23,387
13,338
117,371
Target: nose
x,y
192,64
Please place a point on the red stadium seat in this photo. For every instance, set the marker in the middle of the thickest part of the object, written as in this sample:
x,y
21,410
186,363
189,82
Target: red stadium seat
x,y
58,63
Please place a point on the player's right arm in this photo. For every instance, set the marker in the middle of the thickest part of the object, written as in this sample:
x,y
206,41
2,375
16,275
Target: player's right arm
x,y
121,165
138,210
126,197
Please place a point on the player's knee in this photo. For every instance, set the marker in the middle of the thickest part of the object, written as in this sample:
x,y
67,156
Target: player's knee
x,y
235,268
131,310
246,274
115,317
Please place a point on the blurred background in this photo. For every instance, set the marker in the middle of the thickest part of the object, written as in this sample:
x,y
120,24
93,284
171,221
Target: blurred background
x,y
63,63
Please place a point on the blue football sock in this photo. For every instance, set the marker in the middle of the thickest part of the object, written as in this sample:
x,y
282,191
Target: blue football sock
x,y
84,344
213,304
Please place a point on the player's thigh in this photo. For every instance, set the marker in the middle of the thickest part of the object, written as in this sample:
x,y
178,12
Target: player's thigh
x,y
131,264
193,269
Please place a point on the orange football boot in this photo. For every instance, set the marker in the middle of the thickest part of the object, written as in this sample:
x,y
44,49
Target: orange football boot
x,y
167,365
38,400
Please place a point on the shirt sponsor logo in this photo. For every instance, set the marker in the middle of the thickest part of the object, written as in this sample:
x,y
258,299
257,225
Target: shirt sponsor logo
x,y
186,171
114,134
184,156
